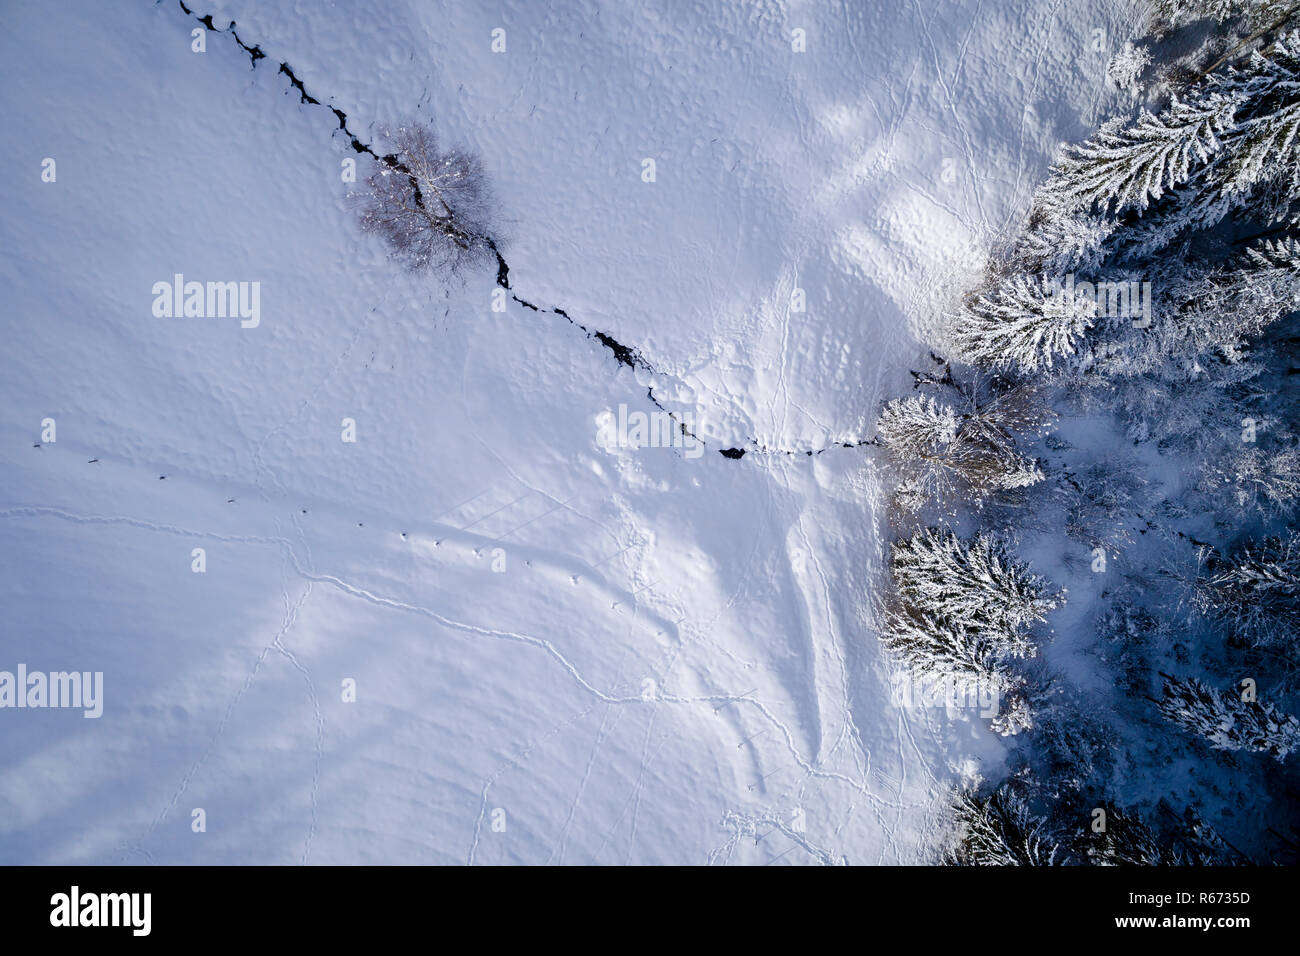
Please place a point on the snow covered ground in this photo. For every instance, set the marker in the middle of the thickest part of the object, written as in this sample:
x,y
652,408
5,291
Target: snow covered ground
x,y
563,651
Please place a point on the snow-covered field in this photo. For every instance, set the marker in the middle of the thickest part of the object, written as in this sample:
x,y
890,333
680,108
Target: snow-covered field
x,y
563,650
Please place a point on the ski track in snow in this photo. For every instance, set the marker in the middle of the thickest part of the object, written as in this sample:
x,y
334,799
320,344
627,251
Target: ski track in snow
x,y
806,764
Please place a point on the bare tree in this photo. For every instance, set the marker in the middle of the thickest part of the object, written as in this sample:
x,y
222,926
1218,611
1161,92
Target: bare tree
x,y
433,206
944,454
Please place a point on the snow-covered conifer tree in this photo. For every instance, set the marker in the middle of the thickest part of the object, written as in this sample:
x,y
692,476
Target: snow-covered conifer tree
x,y
1127,66
1251,164
1126,841
1257,479
1226,720
916,427
1000,830
1256,590
1129,841
961,612
1127,165
1229,142
1277,258
1058,244
942,649
978,586
1256,14
1205,326
1023,323
1263,143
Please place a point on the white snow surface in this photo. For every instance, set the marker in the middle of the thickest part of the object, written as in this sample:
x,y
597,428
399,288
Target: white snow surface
x,y
676,664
